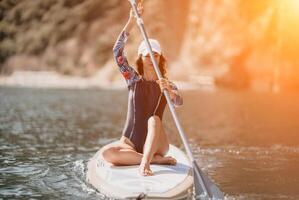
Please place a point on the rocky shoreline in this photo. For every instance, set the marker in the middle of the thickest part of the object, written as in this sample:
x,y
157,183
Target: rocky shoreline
x,y
50,79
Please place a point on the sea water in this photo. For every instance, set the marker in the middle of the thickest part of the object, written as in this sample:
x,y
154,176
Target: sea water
x,y
247,142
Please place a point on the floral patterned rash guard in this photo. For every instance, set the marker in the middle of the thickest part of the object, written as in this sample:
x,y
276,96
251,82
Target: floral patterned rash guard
x,y
145,97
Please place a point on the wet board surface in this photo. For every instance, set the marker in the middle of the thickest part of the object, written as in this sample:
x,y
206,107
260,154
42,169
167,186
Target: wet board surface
x,y
168,182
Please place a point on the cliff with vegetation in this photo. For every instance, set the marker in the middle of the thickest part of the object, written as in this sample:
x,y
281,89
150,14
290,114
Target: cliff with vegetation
x,y
240,43
76,36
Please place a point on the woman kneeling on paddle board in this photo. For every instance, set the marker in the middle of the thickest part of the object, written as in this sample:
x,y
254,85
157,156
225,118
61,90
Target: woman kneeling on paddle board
x,y
143,140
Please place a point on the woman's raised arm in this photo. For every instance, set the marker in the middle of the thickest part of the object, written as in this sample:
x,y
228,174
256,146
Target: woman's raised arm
x,y
122,38
127,71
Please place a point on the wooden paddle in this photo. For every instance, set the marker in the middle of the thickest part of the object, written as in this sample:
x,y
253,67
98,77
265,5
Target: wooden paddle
x,y
204,187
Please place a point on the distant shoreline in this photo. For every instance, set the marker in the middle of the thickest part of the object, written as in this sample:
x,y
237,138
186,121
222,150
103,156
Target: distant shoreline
x,y
50,79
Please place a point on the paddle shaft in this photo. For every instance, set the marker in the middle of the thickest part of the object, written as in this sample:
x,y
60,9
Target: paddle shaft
x,y
171,107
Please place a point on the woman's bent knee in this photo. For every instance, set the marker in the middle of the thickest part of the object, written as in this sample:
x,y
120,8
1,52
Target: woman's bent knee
x,y
154,121
110,154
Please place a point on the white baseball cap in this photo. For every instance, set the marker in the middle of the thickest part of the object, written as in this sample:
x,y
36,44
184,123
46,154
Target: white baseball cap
x,y
142,49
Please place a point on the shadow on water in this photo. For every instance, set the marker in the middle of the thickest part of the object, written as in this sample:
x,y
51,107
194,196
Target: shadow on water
x,y
247,142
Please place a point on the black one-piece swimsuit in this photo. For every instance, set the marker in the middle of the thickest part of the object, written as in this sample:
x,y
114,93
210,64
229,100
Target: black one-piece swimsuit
x,y
145,97
145,100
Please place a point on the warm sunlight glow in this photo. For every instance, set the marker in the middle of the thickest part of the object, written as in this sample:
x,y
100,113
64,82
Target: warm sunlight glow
x,y
288,20
289,7
294,4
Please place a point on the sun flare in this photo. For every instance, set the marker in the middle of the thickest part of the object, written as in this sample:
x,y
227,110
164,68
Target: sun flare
x,y
290,7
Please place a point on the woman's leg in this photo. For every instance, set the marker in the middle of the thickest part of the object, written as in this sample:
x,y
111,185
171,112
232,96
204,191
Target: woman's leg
x,y
119,153
155,147
122,153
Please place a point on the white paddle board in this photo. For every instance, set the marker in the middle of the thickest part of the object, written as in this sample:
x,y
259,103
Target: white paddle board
x,y
124,182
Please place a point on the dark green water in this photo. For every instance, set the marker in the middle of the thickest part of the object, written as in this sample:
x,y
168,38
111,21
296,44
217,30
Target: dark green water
x,y
247,142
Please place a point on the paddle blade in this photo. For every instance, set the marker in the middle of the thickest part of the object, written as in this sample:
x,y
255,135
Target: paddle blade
x,y
204,187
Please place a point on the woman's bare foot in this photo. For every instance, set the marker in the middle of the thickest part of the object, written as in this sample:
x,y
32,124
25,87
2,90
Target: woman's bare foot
x,y
168,160
144,169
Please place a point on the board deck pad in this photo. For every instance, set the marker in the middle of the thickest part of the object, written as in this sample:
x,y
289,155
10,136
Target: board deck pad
x,y
125,181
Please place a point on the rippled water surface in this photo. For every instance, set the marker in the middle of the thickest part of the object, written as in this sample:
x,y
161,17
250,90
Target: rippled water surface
x,y
247,142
